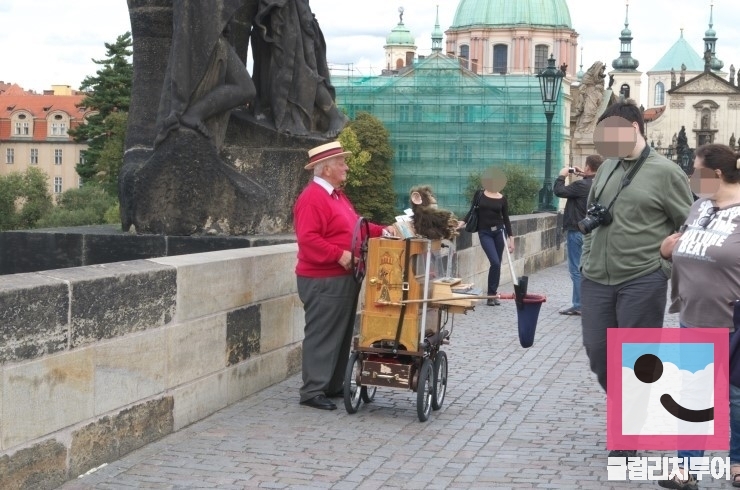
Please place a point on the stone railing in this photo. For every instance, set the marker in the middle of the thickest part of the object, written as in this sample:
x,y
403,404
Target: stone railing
x,y
100,360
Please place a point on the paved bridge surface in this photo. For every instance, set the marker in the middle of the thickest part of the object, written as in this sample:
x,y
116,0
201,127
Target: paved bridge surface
x,y
512,418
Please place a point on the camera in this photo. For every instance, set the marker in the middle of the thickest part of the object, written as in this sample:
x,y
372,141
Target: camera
x,y
596,215
571,170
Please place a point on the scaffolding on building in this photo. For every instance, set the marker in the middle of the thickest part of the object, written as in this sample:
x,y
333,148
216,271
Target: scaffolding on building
x,y
447,122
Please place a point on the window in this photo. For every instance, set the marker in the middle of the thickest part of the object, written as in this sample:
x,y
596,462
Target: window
x,y
10,156
415,152
58,156
467,153
659,93
417,113
455,113
624,91
22,129
403,153
467,113
34,156
403,113
57,185
540,57
464,55
500,58
79,182
59,129
454,152
82,158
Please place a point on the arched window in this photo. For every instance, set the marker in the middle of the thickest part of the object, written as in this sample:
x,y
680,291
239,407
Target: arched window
x,y
659,94
500,58
399,63
540,57
624,90
464,55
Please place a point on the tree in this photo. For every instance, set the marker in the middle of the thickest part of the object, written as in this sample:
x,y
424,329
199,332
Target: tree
x,y
88,205
111,155
24,199
109,92
373,195
357,161
520,191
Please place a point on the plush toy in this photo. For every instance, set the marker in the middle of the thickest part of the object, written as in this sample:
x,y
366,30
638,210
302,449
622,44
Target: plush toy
x,y
429,221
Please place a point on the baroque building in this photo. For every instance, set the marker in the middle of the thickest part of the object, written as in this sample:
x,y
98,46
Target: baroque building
x,y
457,111
33,133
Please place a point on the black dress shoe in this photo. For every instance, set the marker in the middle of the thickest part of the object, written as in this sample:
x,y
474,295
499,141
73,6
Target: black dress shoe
x,y
319,401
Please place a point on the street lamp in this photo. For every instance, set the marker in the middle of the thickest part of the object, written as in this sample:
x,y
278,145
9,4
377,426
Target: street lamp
x,y
550,79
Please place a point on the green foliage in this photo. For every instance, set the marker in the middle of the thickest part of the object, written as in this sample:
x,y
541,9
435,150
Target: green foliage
x,y
113,215
109,93
87,205
373,195
358,160
520,191
24,198
111,155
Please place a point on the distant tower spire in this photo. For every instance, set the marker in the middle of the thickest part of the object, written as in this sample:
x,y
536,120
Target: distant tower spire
x,y
710,42
625,60
437,36
580,73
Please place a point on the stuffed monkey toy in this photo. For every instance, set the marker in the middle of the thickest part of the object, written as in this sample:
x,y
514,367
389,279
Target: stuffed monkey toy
x,y
429,221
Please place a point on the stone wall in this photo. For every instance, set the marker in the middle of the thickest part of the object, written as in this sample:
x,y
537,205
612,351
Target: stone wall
x,y
100,360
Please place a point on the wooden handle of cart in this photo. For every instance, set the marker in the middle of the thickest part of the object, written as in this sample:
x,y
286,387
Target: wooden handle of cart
x,y
455,298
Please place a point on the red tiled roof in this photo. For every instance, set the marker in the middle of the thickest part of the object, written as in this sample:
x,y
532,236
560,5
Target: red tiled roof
x,y
653,113
40,105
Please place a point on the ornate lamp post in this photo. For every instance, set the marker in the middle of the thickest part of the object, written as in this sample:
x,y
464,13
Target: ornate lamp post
x,y
550,79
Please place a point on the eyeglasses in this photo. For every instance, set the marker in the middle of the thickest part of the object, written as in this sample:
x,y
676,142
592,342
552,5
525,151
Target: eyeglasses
x,y
707,218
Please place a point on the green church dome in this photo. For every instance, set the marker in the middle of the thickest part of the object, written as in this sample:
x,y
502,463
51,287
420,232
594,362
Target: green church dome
x,y
400,36
499,13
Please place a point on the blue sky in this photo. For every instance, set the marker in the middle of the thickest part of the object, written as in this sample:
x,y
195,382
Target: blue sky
x,y
685,356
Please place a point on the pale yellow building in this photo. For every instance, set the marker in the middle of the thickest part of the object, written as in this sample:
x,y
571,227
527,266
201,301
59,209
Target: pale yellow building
x,y
34,133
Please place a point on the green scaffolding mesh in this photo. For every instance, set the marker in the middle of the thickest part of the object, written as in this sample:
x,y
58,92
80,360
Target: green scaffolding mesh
x,y
446,122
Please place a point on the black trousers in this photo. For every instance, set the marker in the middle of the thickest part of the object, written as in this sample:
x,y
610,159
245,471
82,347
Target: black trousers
x,y
638,303
330,305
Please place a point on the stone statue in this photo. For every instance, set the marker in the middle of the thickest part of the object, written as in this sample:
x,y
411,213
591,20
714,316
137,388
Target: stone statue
x,y
707,60
732,141
674,140
205,77
673,78
592,97
738,78
291,71
682,142
197,161
732,74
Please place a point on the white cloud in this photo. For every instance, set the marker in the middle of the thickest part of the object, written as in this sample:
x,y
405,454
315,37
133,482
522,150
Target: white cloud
x,y
47,42
643,413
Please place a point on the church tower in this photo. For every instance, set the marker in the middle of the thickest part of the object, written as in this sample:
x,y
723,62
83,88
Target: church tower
x,y
626,77
400,47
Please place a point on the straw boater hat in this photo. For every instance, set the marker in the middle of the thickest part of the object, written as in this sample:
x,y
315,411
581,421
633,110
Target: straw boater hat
x,y
323,152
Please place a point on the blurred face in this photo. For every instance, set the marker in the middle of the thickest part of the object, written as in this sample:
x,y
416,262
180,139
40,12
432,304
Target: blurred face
x,y
493,179
616,137
335,171
704,181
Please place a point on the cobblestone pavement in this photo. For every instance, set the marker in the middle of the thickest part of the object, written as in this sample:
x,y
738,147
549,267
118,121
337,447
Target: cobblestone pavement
x,y
512,418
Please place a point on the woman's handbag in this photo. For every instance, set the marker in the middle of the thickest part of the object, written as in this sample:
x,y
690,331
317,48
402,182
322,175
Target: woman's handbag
x,y
735,346
471,220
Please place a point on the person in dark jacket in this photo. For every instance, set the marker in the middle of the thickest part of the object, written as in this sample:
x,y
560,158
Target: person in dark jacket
x,y
576,195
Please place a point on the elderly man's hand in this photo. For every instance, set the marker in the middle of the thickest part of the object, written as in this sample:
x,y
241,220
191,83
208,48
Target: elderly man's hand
x,y
346,260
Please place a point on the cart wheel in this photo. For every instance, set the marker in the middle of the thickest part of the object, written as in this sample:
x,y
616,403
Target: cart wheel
x,y
351,389
440,380
368,393
425,390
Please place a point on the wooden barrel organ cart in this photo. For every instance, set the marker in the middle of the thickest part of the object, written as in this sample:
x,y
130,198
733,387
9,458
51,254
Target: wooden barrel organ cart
x,y
404,323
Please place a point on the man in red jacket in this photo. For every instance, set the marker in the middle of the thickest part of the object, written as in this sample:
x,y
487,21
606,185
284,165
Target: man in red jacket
x,y
324,223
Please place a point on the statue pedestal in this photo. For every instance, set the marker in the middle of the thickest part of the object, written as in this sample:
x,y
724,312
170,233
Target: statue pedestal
x,y
582,147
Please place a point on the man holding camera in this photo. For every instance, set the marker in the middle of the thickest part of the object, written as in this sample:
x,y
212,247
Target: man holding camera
x,y
576,195
637,198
